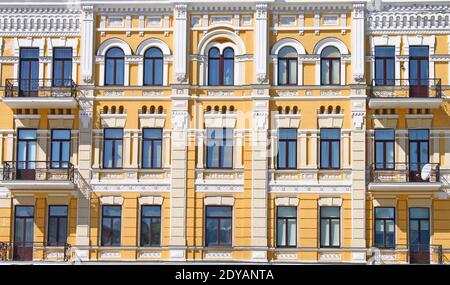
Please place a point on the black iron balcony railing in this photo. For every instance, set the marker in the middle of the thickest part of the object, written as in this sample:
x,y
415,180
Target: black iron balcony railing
x,y
40,88
37,251
38,170
406,88
404,172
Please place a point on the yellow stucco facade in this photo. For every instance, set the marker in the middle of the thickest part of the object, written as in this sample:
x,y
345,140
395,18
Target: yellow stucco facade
x,y
105,186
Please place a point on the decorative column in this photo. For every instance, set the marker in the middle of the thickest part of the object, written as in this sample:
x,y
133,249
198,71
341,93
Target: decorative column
x,y
260,143
358,43
180,125
180,40
261,43
86,98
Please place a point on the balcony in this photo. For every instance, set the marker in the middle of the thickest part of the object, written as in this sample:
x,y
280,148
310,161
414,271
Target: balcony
x,y
405,176
40,93
406,93
34,251
38,175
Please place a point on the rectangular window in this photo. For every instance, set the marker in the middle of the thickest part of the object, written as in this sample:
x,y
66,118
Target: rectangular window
x,y
330,148
111,224
26,153
219,148
150,225
57,225
384,66
384,227
112,148
218,226
151,148
287,148
62,67
60,155
330,221
384,149
286,226
419,153
29,72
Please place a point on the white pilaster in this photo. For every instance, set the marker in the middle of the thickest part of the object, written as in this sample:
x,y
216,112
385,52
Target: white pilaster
x,y
358,44
180,39
261,43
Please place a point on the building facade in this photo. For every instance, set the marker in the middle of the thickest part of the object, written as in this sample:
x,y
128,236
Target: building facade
x,y
247,131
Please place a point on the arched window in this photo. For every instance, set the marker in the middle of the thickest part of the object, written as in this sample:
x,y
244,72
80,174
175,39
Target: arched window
x,y
330,64
221,67
114,66
287,66
153,67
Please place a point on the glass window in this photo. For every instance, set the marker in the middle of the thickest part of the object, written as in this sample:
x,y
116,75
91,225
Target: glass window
x,y
330,220
111,225
418,71
287,148
29,71
286,226
330,145
150,225
287,66
60,155
153,67
330,62
419,229
62,66
221,67
218,226
384,227
114,66
57,225
219,148
112,148
384,65
24,226
26,149
419,152
384,149
151,148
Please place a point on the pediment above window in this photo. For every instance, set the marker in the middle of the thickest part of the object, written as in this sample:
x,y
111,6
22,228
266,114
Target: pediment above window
x,y
113,120
219,200
330,201
215,120
152,120
287,201
417,121
27,121
330,120
384,121
150,200
60,121
287,121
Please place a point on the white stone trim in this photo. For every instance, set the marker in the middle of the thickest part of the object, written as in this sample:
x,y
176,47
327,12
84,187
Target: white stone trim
x,y
29,42
419,202
288,42
208,41
101,52
111,200
26,200
143,47
150,200
62,42
219,200
343,50
330,201
214,120
287,201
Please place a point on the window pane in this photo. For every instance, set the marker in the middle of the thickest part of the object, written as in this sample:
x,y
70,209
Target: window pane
x,y
292,154
384,213
118,154
158,72
282,72
225,231
58,211
228,71
335,229
282,154
281,232
419,213
324,233
418,134
24,211
330,52
292,72
218,211
287,52
211,231
292,237
330,134
325,72
287,212
120,66
157,154
335,72
113,211
288,134
335,154
325,155
27,134
227,156
151,211
330,212
213,72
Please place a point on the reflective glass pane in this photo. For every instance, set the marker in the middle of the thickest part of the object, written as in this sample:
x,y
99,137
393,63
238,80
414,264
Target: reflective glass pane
x,y
287,212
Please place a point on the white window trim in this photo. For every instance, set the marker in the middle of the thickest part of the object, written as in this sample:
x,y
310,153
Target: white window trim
x,y
67,43
104,47
421,41
343,50
29,43
300,51
386,41
143,47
